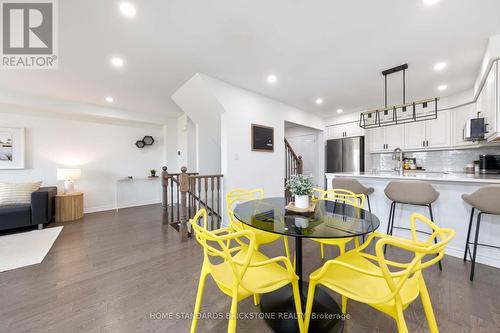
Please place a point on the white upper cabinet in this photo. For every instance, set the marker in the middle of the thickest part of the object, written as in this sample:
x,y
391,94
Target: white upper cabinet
x,y
459,117
335,132
385,139
344,130
415,135
353,129
376,139
487,102
437,131
394,137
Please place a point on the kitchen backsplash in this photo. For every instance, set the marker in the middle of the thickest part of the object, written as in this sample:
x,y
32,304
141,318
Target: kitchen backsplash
x,y
443,160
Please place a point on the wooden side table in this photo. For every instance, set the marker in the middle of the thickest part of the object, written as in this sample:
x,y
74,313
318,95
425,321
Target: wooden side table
x,y
69,207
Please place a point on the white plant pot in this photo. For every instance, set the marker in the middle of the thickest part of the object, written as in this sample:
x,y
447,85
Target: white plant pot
x,y
302,201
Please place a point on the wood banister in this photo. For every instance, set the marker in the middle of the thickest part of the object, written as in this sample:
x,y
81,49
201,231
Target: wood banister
x,y
186,192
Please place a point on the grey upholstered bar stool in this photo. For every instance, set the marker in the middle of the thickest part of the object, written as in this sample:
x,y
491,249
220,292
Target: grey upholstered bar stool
x,y
354,186
487,201
410,192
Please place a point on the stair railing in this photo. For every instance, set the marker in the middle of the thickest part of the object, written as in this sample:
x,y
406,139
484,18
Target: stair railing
x,y
185,193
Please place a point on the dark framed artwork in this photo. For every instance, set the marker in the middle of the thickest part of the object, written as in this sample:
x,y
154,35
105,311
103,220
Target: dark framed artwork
x,y
262,138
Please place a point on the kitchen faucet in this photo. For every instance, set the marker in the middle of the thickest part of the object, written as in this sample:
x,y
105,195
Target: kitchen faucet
x,y
399,159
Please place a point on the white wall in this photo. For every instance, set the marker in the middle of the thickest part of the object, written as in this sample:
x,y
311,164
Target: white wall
x,y
103,151
204,110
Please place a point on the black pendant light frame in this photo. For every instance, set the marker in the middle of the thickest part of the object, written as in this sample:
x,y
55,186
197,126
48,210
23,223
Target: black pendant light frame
x,y
400,114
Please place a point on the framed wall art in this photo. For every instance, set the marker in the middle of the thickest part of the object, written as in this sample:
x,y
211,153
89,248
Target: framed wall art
x,y
262,138
12,148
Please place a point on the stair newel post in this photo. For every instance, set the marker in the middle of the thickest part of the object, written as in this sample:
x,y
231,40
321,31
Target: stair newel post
x,y
164,185
184,188
300,165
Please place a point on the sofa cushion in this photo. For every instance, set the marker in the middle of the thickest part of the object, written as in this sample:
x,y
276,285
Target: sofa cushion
x,y
14,216
17,193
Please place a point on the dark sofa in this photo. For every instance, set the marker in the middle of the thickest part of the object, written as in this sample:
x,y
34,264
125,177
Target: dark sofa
x,y
40,211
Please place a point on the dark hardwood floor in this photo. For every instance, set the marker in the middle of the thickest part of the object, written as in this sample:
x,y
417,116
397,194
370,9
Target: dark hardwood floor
x,y
119,272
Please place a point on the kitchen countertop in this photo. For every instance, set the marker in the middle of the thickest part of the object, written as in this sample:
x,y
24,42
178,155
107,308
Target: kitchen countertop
x,y
424,175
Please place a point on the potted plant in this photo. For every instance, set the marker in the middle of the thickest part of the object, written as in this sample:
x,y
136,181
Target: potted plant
x,y
301,187
153,172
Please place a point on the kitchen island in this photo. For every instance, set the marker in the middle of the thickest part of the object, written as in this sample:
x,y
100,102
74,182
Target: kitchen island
x,y
449,209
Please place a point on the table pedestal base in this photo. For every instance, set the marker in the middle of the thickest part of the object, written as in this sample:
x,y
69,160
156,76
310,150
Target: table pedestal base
x,y
280,315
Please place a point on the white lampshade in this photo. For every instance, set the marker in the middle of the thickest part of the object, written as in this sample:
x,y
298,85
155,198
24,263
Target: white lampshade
x,y
69,174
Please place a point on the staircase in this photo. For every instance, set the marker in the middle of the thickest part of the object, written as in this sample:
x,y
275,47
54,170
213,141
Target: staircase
x,y
293,166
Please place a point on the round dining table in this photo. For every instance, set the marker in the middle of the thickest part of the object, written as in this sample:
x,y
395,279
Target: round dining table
x,y
330,220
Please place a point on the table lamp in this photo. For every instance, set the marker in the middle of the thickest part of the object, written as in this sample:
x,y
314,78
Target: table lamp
x,y
69,176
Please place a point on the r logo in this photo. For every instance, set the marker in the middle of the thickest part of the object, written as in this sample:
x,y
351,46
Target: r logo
x,y
29,34
27,28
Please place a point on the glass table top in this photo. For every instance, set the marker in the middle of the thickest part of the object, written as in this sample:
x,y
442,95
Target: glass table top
x,y
329,220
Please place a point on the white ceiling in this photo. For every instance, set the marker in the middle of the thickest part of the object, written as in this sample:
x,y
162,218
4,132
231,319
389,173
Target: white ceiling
x,y
333,49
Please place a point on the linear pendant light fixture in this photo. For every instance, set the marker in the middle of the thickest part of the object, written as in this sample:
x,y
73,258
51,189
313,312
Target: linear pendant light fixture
x,y
399,114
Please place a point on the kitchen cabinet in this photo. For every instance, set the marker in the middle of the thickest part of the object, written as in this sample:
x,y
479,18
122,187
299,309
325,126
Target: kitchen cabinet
x,y
438,131
385,139
435,133
487,102
415,135
459,117
344,130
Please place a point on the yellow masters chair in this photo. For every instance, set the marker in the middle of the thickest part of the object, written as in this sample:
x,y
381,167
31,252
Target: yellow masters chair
x,y
342,196
366,278
241,270
261,237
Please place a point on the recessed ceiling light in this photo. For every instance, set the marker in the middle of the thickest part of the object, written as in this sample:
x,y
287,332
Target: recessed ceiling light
x,y
430,2
117,62
110,99
272,78
442,87
339,111
319,101
440,66
127,9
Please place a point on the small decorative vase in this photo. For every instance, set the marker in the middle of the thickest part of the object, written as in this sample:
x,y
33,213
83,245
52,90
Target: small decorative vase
x,y
302,201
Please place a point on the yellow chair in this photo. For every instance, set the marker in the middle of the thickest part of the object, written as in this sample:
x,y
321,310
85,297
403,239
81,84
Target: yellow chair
x,y
240,270
366,278
342,196
261,237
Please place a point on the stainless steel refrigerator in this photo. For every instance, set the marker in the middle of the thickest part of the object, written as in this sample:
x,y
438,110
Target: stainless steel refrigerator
x,y
345,155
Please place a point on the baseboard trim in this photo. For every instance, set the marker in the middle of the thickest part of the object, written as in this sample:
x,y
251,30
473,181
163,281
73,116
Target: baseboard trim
x,y
120,206
480,258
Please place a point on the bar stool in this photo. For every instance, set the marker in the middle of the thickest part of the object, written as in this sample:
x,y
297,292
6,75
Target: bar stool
x,y
486,201
354,186
410,192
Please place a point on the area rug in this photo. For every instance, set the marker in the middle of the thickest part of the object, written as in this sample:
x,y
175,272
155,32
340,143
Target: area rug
x,y
26,248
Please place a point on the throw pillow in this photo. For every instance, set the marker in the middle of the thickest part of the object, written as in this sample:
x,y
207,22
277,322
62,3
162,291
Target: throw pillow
x,y
17,193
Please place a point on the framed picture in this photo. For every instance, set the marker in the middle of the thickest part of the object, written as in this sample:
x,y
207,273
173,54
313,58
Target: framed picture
x,y
262,138
12,148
